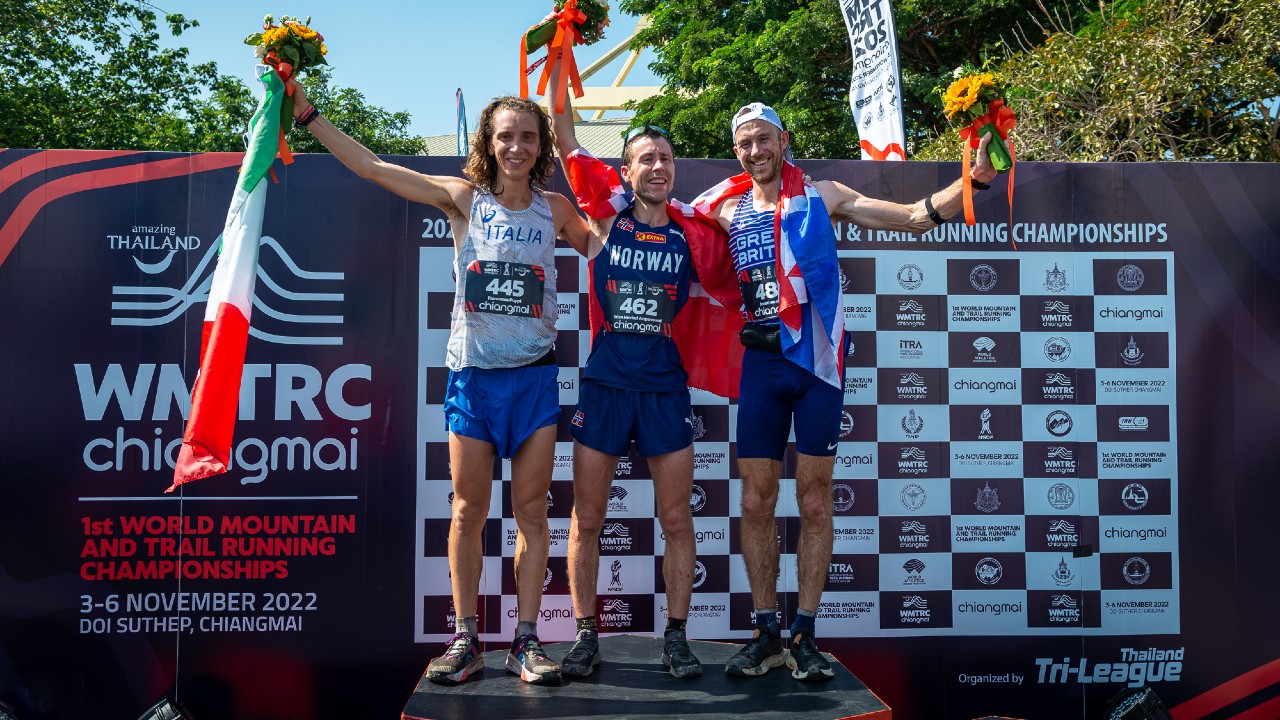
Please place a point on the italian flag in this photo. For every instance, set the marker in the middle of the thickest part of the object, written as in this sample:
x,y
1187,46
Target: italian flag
x,y
206,444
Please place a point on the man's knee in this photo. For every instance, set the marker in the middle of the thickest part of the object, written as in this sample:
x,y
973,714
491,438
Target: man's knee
x,y
815,507
586,526
759,505
468,517
677,525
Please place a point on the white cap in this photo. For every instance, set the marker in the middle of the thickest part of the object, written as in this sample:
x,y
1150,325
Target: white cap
x,y
755,111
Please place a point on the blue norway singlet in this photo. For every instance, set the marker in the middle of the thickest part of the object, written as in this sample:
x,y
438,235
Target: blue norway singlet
x,y
751,244
639,280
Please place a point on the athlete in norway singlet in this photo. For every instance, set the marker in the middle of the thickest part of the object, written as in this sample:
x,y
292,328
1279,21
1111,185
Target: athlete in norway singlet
x,y
640,280
752,245
504,306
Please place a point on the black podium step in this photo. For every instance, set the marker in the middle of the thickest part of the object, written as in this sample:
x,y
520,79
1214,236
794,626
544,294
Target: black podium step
x,y
631,683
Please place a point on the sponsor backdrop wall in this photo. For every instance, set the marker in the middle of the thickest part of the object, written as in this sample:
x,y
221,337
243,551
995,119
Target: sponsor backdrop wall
x,y
1055,477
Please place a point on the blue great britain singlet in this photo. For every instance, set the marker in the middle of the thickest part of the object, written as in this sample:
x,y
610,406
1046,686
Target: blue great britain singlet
x,y
640,279
751,244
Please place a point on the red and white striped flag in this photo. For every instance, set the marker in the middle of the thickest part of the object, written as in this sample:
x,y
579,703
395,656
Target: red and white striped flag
x,y
206,444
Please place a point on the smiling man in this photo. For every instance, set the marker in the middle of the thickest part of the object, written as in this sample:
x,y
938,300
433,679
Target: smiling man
x,y
635,385
783,253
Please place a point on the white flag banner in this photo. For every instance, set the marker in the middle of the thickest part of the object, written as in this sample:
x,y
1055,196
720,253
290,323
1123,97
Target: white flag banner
x,y
875,92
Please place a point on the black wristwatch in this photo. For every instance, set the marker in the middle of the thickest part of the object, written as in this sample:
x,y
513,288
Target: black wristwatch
x,y
973,182
933,212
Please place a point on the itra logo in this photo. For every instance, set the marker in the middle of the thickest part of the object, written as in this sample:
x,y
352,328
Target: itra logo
x,y
276,304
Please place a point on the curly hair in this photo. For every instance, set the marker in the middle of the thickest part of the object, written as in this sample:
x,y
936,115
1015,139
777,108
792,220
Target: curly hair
x,y
482,166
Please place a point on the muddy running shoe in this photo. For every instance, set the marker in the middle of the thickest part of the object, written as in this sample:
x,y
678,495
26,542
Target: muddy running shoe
x,y
761,653
461,659
806,662
584,656
528,660
677,656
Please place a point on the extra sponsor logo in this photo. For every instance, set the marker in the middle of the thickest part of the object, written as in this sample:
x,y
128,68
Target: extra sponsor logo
x,y
1058,423
1055,280
842,497
912,424
697,498
912,497
988,500
1057,349
983,277
1130,278
1131,354
618,499
915,572
1061,496
910,277
1137,571
1135,496
1062,576
989,571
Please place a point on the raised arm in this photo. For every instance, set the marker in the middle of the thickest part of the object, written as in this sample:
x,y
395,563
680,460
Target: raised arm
x,y
844,203
594,230
450,194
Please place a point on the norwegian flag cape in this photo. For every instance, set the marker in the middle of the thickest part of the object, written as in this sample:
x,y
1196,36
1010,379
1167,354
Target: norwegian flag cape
x,y
706,328
811,307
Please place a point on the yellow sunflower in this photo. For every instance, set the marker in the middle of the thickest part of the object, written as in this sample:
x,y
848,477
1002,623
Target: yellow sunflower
x,y
274,35
963,93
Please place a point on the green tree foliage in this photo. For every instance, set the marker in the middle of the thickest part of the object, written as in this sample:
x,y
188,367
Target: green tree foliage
x,y
717,55
1132,80
92,74
1148,80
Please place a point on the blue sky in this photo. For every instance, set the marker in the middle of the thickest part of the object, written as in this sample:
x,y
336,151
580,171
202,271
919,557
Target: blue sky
x,y
403,55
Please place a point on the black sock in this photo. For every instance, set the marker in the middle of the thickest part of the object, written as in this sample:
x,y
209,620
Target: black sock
x,y
587,623
675,624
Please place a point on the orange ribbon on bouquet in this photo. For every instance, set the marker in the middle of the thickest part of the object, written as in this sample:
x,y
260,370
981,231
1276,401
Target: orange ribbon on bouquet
x,y
285,71
560,49
1003,120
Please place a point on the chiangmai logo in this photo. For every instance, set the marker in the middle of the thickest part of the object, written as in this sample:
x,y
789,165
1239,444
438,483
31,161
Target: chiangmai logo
x,y
1063,576
842,497
1058,423
910,277
982,277
699,574
1061,496
1132,354
988,500
912,424
171,303
697,498
1057,349
1055,280
1136,571
912,497
989,571
911,379
1130,278
1135,496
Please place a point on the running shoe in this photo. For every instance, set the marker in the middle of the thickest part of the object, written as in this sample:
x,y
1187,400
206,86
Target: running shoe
x,y
584,656
677,656
528,660
805,660
761,653
460,660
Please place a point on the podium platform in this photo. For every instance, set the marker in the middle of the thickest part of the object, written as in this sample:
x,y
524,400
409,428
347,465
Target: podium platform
x,y
631,683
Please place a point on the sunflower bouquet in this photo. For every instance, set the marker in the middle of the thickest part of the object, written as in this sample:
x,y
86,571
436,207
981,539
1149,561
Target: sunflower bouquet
x,y
974,105
572,22
292,48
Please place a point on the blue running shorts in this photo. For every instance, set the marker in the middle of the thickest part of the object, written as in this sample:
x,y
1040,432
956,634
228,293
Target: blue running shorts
x,y
773,389
609,418
501,406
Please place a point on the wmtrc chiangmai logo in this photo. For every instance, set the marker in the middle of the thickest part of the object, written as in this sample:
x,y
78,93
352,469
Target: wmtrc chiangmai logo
x,y
156,305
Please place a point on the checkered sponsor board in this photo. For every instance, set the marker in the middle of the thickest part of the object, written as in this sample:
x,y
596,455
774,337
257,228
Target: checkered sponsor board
x,y
1007,463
